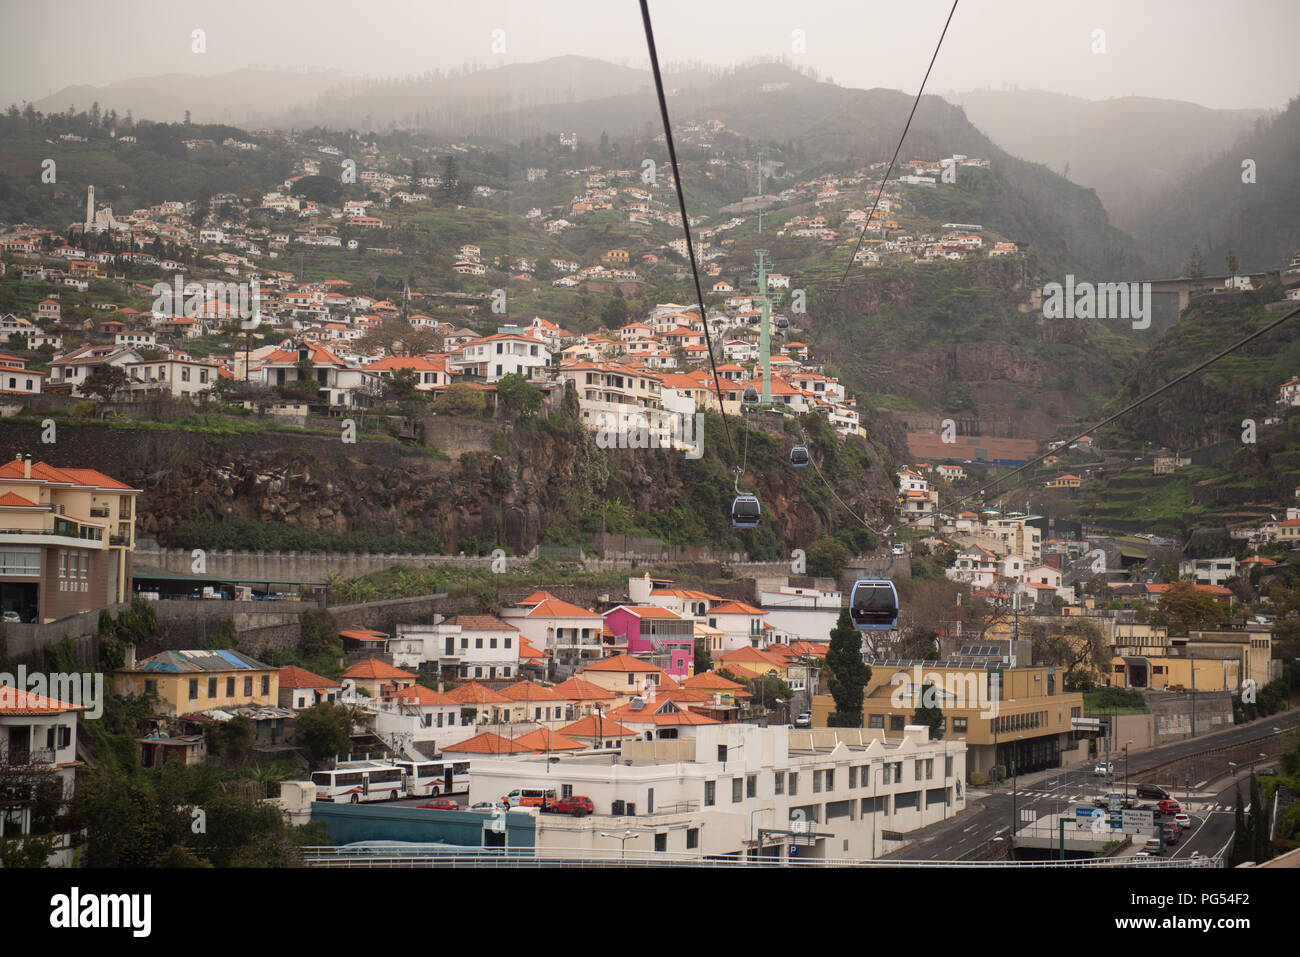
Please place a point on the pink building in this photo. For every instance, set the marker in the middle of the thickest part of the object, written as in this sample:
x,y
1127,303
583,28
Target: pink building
x,y
657,635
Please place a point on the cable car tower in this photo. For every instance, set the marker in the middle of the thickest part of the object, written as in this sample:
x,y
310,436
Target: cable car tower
x,y
766,300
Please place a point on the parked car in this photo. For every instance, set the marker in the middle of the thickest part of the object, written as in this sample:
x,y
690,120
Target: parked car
x,y
1182,820
1168,807
1151,792
804,720
1104,768
898,550
440,804
575,804
486,806
12,618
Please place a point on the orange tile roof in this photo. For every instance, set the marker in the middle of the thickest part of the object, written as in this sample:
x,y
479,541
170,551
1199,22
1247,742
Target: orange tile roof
x,y
487,743
544,739
736,608
291,677
619,663
13,469
593,727
374,668
530,691
712,681
749,654
555,608
575,689
475,693
528,652
10,500
19,701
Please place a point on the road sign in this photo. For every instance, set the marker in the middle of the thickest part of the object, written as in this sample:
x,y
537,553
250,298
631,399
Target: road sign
x,y
1083,816
1086,724
1114,799
1028,816
1138,822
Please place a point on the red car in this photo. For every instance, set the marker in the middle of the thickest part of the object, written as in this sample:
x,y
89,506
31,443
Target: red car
x,y
1168,807
441,804
575,804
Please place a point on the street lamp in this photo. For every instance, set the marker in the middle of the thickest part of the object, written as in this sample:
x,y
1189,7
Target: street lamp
x,y
622,839
1126,744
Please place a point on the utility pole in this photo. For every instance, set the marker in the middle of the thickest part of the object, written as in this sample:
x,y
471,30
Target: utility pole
x,y
764,336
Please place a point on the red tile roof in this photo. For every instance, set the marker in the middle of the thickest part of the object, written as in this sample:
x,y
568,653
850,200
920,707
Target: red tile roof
x,y
530,691
487,743
291,677
374,668
19,701
618,663
593,727
475,693
544,739
575,689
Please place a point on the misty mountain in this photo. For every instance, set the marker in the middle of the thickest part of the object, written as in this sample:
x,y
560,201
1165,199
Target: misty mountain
x,y
247,98
1215,210
1129,149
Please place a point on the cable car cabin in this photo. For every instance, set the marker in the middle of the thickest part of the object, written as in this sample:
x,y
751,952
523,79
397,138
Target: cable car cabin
x,y
751,396
745,511
874,605
782,323
798,456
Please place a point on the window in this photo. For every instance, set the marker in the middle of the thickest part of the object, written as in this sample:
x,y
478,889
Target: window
x,y
248,687
722,753
492,642
853,777
630,678
794,784
817,782
710,793
505,671
751,785
478,671
779,778
194,688
266,684
464,643
661,842
63,563
566,790
876,721
230,687
830,779
151,687
958,725
735,790
212,687
692,838
947,767
478,642
85,565
896,722
507,642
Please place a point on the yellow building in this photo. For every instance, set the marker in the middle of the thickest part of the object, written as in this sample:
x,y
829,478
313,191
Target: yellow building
x,y
66,540
184,682
1003,714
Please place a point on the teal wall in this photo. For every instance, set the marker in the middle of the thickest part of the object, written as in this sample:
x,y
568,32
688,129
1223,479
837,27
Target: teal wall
x,y
348,823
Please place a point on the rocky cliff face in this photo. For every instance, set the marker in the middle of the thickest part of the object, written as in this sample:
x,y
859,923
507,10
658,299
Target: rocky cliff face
x,y
510,495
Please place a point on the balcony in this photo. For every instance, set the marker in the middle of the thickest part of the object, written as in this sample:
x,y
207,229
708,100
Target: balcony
x,y
12,757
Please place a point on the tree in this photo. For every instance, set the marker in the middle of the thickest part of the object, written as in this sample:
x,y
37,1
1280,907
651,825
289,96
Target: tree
x,y
105,382
1183,609
326,730
1074,646
849,673
460,399
614,312
703,659
519,395
320,189
401,384
1241,842
827,557
928,712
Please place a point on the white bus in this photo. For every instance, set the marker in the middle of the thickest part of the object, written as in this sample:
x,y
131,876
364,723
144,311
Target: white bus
x,y
362,781
434,777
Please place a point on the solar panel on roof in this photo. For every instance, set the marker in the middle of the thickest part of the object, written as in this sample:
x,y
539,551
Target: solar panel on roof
x,y
231,657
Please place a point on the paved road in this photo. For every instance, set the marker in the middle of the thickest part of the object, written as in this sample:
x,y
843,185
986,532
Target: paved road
x,y
1210,803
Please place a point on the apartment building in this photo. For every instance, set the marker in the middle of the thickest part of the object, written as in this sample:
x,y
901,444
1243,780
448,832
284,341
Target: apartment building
x,y
1002,714
184,682
67,536
741,790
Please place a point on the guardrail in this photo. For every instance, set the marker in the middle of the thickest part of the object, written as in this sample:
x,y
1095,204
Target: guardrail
x,y
440,855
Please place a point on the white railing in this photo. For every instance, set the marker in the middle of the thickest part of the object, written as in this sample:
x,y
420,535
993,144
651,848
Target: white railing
x,y
438,855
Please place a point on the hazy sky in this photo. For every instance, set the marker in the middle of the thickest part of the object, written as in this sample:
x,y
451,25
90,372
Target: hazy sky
x,y
1219,53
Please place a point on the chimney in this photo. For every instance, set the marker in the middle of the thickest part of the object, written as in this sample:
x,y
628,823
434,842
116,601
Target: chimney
x,y
27,465
129,661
